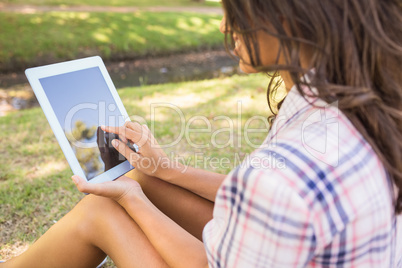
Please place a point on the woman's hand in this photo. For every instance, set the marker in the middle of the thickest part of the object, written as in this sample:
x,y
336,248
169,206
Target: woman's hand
x,y
120,190
150,158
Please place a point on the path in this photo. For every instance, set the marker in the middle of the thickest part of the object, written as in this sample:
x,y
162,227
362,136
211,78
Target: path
x,y
29,9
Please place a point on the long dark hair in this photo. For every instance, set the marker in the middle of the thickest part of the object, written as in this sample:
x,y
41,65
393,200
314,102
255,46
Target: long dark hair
x,y
355,48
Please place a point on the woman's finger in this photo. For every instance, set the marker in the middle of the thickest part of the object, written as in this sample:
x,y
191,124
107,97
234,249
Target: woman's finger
x,y
100,189
123,131
115,130
123,139
112,189
131,125
142,133
129,154
142,129
134,126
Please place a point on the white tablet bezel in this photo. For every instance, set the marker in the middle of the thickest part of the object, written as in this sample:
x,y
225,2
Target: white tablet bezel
x,y
34,74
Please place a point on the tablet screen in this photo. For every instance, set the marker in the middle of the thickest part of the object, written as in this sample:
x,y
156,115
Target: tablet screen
x,y
82,102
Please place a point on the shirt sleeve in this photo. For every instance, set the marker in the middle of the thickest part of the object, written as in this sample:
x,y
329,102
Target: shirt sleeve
x,y
259,221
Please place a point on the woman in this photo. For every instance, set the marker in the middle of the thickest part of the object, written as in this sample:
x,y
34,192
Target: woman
x,y
334,202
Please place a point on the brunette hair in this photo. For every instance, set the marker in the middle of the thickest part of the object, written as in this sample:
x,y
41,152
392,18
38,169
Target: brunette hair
x,y
355,48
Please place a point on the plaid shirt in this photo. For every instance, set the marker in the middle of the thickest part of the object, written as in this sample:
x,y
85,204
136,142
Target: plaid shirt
x,y
314,195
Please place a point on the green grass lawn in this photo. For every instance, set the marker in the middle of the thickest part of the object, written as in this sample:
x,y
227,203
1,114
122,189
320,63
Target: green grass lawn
x,y
33,39
35,184
139,3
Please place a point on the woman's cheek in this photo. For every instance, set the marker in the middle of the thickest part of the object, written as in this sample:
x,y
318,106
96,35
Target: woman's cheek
x,y
246,67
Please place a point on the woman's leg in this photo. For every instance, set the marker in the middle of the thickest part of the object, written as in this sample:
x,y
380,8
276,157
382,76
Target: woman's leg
x,y
99,226
187,209
95,227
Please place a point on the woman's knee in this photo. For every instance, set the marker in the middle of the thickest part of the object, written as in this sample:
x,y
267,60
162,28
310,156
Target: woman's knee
x,y
94,213
144,180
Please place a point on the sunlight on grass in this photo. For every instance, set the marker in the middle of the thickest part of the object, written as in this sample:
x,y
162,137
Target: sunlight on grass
x,y
101,37
83,15
182,24
94,20
184,97
36,20
135,37
197,21
47,169
8,251
161,30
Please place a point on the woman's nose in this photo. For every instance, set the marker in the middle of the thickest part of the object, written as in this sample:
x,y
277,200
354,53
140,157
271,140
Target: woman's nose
x,y
222,26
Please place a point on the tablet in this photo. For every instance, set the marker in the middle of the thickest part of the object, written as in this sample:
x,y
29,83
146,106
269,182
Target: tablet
x,y
77,97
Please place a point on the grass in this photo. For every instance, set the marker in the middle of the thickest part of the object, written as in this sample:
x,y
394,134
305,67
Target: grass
x,y
35,185
139,3
34,39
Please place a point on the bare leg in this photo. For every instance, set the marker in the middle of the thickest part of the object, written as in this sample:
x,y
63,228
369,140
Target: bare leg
x,y
189,210
99,226
95,227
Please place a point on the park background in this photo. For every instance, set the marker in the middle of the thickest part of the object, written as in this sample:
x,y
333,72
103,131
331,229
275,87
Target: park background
x,y
155,50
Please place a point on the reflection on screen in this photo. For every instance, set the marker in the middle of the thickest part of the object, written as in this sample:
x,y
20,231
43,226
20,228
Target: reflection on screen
x,y
82,102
